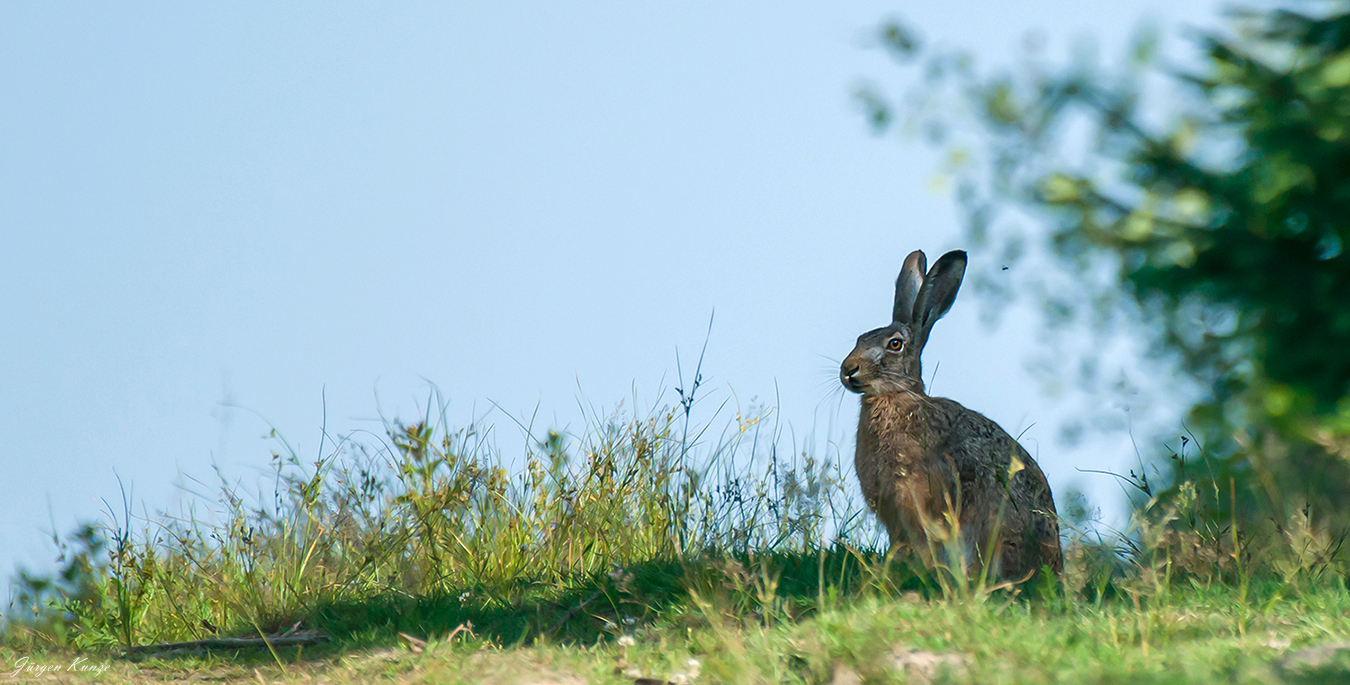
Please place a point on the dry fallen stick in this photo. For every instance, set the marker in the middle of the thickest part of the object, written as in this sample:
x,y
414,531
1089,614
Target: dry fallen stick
x,y
287,639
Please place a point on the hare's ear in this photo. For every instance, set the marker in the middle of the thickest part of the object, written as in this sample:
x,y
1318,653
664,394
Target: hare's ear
x,y
939,290
907,286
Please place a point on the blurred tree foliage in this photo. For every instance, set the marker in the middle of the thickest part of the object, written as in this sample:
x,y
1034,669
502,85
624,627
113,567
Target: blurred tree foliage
x,y
1208,204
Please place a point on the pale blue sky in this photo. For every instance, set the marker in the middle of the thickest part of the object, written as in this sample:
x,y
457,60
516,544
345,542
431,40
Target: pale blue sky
x,y
255,204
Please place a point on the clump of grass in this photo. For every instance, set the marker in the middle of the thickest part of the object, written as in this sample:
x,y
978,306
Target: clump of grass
x,y
428,522
1200,530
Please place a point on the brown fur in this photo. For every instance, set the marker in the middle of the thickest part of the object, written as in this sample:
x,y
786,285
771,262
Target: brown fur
x,y
925,463
917,464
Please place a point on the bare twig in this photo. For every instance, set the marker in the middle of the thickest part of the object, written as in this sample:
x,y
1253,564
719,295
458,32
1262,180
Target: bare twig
x,y
288,639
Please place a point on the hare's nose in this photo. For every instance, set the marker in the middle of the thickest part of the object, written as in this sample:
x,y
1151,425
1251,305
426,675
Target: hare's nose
x,y
848,375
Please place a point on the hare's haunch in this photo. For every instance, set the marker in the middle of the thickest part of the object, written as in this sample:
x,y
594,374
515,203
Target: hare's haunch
x,y
944,480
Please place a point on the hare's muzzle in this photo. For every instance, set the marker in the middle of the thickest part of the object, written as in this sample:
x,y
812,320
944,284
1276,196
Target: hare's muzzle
x,y
849,375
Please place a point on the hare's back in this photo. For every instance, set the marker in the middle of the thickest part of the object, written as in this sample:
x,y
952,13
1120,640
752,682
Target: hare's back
x,y
982,453
979,449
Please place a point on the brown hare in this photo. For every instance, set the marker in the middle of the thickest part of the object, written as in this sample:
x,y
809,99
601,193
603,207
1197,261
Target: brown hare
x,y
943,479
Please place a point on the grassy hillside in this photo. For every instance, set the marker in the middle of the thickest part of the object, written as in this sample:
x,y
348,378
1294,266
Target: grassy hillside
x,y
649,547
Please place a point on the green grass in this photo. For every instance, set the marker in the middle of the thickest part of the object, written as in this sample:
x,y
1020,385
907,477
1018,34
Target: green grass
x,y
639,545
1199,635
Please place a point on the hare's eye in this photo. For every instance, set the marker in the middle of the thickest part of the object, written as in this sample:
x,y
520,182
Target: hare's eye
x,y
894,343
